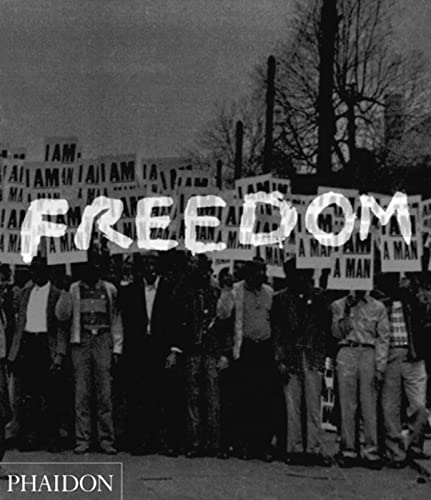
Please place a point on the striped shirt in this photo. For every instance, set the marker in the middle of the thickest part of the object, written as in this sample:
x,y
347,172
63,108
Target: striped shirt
x,y
94,308
398,335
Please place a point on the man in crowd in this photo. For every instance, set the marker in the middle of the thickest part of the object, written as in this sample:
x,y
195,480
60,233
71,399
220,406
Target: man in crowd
x,y
5,413
148,329
203,351
360,324
227,377
9,297
301,329
254,351
405,370
38,348
96,338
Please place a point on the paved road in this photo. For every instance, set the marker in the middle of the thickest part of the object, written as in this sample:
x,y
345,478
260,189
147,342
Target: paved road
x,y
161,478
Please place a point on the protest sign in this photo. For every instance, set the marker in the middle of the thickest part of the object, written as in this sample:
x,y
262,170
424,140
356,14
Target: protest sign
x,y
353,265
63,250
395,254
14,181
11,219
425,211
274,257
248,185
159,175
62,150
351,194
310,254
283,186
229,230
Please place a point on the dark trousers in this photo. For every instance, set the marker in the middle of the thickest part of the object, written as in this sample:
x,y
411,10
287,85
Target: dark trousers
x,y
154,396
203,401
39,413
258,386
228,412
5,413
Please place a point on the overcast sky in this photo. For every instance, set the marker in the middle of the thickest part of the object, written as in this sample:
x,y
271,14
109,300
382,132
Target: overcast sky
x,y
137,75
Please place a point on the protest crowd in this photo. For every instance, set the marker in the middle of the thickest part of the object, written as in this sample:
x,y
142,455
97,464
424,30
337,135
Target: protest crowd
x,y
161,356
245,352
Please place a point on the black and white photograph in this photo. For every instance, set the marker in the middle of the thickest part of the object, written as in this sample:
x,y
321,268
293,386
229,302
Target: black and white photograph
x,y
215,249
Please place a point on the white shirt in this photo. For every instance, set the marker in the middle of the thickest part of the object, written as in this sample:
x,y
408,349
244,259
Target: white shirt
x,y
150,296
37,308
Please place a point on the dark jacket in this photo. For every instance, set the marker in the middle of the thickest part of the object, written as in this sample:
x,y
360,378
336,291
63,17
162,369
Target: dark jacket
x,y
135,320
417,316
198,331
57,334
300,326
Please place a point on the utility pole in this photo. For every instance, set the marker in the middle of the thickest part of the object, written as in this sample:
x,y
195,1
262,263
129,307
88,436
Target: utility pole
x,y
269,122
219,174
351,100
239,136
326,120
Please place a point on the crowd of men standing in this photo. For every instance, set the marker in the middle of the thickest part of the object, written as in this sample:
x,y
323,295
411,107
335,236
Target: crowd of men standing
x,y
169,361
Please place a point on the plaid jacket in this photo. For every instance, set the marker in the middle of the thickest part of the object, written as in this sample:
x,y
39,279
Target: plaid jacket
x,y
416,314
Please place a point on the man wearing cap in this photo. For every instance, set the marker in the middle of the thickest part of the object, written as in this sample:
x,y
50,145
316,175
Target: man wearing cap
x,y
360,324
302,342
36,355
96,339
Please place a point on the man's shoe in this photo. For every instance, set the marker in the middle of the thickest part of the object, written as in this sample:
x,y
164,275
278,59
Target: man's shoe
x,y
193,453
346,462
397,464
170,452
108,449
295,459
318,460
418,455
81,449
267,457
373,464
222,455
139,451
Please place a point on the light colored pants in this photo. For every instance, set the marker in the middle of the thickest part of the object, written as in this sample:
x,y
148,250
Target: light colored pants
x,y
410,375
356,368
302,395
92,367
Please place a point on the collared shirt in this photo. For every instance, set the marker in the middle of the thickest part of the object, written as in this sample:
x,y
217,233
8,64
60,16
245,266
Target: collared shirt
x,y
150,297
257,310
398,337
367,321
37,309
94,307
225,304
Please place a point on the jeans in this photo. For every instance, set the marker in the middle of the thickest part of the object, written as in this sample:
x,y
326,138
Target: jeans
x,y
92,369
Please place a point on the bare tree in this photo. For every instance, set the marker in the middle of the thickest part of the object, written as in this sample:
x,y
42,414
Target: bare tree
x,y
368,68
217,140
370,71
